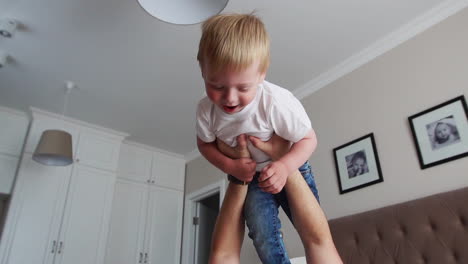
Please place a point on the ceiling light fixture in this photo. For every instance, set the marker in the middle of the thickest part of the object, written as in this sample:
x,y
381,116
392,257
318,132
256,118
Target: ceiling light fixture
x,y
55,146
8,27
183,12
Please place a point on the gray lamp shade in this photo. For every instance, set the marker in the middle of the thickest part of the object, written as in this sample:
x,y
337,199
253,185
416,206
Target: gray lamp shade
x,y
54,148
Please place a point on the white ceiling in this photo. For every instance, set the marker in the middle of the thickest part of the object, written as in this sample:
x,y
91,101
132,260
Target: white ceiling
x,y
139,75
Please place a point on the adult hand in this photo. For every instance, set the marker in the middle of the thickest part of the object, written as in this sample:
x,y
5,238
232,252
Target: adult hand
x,y
243,167
273,177
275,147
237,152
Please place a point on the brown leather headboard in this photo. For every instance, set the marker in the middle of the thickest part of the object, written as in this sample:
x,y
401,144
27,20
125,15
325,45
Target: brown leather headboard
x,y
431,230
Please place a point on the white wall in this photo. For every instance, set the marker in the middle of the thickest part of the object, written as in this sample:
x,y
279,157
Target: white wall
x,y
379,97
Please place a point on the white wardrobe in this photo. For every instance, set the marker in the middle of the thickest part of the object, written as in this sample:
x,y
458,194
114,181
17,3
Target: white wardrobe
x,y
13,128
146,220
61,214
117,203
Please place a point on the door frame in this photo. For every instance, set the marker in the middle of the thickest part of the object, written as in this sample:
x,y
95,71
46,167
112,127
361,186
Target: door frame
x,y
191,201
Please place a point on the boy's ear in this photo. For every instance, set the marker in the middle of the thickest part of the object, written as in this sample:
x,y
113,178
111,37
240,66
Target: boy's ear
x,y
201,69
262,77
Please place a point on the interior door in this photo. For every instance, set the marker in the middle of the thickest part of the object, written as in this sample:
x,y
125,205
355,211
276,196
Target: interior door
x,y
83,235
165,225
7,172
127,227
13,132
196,231
208,210
37,207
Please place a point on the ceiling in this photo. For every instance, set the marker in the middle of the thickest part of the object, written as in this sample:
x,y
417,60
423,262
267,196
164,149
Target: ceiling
x,y
139,75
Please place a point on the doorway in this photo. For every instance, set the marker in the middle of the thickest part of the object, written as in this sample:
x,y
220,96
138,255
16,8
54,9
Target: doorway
x,y
200,212
4,202
204,220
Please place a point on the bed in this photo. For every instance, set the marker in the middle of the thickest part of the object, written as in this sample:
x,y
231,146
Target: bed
x,y
431,230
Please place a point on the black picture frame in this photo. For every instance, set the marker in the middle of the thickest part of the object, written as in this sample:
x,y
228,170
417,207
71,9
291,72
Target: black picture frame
x,y
357,164
426,126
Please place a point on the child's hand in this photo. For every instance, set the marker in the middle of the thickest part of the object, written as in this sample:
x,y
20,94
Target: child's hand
x,y
243,169
273,177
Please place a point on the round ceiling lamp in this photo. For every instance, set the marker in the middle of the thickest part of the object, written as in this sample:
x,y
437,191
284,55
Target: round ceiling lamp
x,y
183,12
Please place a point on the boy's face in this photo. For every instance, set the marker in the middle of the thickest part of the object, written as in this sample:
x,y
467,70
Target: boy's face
x,y
232,90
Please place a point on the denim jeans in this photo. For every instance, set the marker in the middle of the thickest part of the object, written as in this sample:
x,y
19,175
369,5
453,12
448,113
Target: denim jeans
x,y
261,215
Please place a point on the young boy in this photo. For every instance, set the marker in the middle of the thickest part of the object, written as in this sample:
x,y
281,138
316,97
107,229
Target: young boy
x,y
234,57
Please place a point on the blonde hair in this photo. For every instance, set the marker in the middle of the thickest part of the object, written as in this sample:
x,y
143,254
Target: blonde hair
x,y
234,41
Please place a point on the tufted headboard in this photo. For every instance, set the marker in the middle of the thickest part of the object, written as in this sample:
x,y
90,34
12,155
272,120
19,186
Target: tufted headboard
x,y
430,230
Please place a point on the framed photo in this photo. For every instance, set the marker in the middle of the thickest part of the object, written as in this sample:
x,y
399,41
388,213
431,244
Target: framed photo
x,y
357,164
440,133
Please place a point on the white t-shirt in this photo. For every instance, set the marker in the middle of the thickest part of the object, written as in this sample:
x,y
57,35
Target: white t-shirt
x,y
274,110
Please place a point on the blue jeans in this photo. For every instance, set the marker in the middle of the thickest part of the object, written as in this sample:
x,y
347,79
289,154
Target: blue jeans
x,y
261,215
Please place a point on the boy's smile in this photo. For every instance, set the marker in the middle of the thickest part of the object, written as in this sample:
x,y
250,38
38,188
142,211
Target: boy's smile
x,y
232,90
230,109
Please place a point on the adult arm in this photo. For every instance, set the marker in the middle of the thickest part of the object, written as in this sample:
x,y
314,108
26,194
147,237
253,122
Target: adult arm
x,y
241,168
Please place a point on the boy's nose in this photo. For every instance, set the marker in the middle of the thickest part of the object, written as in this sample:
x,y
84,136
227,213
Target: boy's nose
x,y
230,96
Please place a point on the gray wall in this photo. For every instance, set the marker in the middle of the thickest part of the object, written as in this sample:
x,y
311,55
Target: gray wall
x,y
378,97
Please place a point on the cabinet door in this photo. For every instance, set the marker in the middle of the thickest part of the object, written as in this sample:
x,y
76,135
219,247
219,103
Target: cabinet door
x,y
164,225
134,163
98,150
127,227
83,235
12,132
7,172
168,171
35,213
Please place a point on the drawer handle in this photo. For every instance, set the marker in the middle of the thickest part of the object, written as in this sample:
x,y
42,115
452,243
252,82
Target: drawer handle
x,y
60,247
54,244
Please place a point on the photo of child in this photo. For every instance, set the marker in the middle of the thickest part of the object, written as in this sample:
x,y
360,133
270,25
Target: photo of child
x,y
443,133
357,164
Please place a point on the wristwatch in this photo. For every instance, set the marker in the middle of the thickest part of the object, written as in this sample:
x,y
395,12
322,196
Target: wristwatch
x,y
236,181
